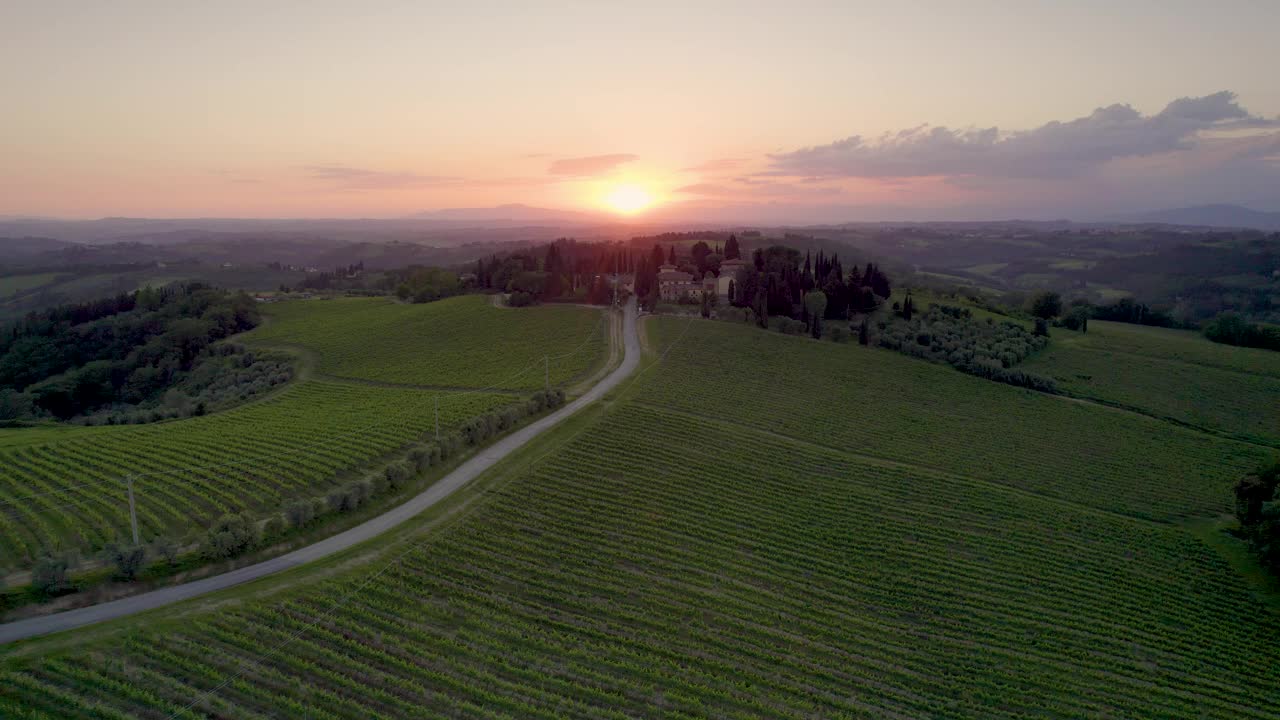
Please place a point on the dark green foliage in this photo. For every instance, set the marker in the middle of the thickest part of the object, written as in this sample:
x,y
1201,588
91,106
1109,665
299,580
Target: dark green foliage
x,y
337,500
987,349
423,284
1258,510
166,548
273,527
50,574
124,351
731,249
127,559
1041,328
231,535
787,326
1232,329
420,458
520,299
815,304
300,512
1046,305
1077,318
1125,310
908,308
398,473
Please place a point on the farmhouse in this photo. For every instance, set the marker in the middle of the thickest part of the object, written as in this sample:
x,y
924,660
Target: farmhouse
x,y
673,283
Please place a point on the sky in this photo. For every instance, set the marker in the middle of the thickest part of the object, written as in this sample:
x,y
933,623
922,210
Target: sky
x,y
794,111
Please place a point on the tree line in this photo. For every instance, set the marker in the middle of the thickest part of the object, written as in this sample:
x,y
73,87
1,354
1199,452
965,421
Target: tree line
x,y
775,284
124,350
1258,511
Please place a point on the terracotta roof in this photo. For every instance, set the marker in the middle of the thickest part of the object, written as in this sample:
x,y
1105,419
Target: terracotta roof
x,y
674,276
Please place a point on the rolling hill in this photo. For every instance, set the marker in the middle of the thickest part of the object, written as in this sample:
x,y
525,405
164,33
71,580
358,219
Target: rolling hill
x,y
758,526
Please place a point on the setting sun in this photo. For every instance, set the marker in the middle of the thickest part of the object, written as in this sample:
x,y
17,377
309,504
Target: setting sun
x,y
628,199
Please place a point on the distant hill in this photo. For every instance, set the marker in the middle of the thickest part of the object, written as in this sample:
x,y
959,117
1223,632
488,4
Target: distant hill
x,y
507,213
1213,216
12,248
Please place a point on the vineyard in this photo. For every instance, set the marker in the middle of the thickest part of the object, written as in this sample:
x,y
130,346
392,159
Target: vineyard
x,y
1175,374
71,493
458,342
661,564
883,405
65,488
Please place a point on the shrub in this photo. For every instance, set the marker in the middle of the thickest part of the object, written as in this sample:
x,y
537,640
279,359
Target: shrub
x,y
838,334
951,335
166,548
420,458
50,574
128,559
337,499
398,473
520,299
378,483
231,535
274,527
300,512
450,444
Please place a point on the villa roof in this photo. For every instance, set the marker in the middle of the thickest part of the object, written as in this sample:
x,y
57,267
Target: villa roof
x,y
674,276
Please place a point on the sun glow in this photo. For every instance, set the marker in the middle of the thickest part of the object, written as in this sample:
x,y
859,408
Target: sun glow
x,y
628,199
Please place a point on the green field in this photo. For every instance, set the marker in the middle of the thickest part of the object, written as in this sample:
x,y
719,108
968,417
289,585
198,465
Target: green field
x,y
763,526
64,487
929,415
18,283
1176,374
458,342
71,492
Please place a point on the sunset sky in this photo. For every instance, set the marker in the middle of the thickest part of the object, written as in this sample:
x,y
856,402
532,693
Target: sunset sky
x,y
787,111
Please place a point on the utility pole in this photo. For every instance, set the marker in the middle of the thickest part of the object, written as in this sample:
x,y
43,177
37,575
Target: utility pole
x,y
133,512
437,418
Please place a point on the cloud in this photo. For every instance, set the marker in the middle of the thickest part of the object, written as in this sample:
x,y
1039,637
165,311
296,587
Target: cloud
x,y
354,178
1056,149
590,165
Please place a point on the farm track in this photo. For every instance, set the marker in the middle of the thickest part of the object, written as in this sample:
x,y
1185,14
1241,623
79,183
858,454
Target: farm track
x,y
459,477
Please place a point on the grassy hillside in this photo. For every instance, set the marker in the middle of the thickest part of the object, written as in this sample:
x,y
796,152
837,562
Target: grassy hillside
x,y
765,526
64,487
458,342
71,493
12,284
888,406
1175,374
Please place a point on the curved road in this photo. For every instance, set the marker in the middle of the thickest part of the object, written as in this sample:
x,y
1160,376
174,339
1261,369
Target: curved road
x,y
463,474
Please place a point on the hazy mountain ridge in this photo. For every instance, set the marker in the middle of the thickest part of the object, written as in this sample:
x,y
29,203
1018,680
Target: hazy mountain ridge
x,y
1217,215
